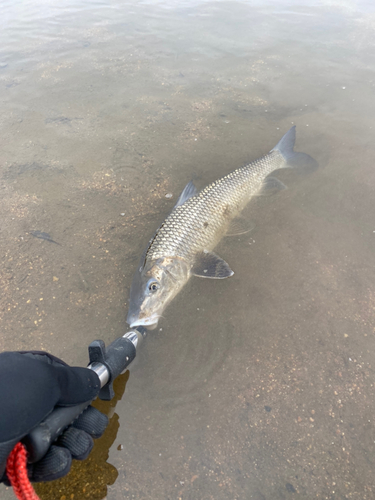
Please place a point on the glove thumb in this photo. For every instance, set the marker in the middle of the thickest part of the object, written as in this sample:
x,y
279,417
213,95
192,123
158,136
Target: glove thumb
x,y
76,385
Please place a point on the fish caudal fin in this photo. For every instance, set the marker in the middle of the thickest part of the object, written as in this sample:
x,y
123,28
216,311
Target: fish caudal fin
x,y
285,146
292,159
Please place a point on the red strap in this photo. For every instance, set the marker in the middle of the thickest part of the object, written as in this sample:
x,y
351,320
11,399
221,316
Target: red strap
x,y
17,474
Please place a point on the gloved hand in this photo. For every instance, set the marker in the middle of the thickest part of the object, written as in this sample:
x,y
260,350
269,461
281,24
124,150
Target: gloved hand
x,y
31,385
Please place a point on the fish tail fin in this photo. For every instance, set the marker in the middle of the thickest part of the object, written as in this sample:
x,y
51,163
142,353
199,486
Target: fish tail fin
x,y
292,159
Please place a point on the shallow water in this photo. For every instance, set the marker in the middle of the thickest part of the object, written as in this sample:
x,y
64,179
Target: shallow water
x,y
260,386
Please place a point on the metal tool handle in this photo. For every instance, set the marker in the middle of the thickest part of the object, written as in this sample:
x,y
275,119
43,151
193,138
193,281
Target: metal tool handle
x,y
108,363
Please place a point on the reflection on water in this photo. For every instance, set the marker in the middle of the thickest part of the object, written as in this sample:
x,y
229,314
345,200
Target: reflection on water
x,y
259,386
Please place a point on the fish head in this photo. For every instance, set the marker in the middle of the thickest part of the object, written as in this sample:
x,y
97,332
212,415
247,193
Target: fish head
x,y
154,285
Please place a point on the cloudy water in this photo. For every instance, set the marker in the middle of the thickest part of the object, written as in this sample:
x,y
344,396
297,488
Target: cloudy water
x,y
260,386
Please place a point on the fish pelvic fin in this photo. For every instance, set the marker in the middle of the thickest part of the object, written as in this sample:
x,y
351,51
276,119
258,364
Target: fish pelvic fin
x,y
239,225
285,147
209,265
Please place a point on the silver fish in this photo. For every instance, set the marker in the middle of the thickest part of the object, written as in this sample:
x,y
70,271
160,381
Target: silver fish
x,y
183,244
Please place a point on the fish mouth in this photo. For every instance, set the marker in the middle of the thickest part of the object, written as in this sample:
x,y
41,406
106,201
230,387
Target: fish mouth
x,y
150,323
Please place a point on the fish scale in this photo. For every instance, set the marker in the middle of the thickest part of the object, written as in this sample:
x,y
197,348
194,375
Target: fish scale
x,y
198,224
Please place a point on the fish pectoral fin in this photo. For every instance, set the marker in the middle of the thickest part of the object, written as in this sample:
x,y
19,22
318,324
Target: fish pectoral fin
x,y
239,225
209,265
271,185
188,192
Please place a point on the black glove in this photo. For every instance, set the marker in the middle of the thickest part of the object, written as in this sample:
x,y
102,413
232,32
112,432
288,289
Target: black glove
x,y
31,385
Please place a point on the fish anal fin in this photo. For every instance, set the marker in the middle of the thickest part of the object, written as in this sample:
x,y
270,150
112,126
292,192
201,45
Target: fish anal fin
x,y
209,265
188,192
239,225
271,185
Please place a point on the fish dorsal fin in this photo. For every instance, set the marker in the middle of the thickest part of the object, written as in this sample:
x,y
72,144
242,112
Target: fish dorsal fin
x,y
188,192
209,265
239,225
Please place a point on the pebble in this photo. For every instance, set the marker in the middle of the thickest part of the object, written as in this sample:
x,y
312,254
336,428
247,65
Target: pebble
x,y
169,195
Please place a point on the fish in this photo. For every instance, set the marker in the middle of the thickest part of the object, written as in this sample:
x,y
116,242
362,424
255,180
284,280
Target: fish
x,y
44,236
183,244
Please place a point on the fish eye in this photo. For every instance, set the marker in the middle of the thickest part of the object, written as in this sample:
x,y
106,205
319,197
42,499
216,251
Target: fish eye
x,y
153,286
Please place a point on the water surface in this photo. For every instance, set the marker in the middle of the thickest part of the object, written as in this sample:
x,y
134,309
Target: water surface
x,y
256,387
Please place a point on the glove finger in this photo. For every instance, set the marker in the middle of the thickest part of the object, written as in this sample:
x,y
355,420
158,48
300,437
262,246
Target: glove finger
x,y
54,465
92,421
79,443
